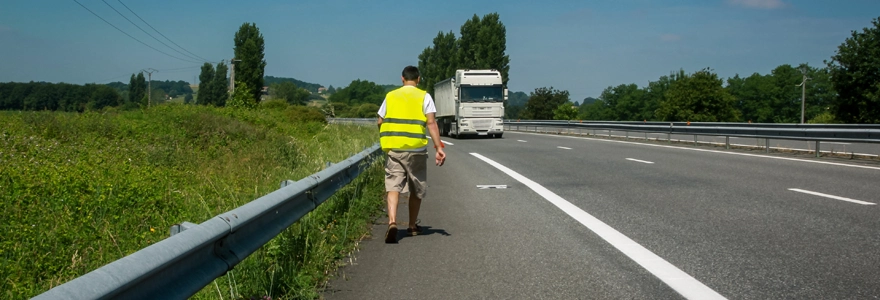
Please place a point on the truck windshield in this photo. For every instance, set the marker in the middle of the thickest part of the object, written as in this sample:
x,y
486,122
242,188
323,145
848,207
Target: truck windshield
x,y
482,94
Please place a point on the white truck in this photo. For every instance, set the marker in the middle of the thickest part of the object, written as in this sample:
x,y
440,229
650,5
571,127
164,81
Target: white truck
x,y
471,103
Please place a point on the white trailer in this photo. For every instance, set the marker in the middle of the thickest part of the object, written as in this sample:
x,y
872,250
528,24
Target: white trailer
x,y
471,103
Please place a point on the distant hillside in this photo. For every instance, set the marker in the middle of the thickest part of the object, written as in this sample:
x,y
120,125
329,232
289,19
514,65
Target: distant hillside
x,y
312,87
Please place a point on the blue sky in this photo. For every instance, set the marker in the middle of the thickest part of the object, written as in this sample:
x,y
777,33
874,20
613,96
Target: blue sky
x,y
579,46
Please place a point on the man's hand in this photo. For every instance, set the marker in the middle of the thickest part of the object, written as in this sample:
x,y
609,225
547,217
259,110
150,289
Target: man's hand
x,y
440,157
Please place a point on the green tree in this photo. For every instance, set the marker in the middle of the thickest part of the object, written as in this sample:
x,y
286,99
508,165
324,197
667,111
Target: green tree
x,y
698,97
188,99
220,85
493,45
249,48
136,88
542,102
438,62
242,98
289,92
483,44
359,92
855,76
206,79
596,110
565,111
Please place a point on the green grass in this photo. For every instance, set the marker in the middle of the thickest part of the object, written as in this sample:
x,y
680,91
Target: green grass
x,y
82,190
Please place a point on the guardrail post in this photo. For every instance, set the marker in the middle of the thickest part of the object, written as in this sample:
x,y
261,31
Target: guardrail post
x,y
817,149
646,136
727,142
627,134
767,145
669,138
695,140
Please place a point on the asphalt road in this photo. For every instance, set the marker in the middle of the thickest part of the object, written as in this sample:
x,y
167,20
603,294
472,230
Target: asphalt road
x,y
586,218
861,149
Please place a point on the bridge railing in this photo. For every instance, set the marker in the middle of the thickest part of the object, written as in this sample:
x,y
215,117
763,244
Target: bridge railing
x,y
195,255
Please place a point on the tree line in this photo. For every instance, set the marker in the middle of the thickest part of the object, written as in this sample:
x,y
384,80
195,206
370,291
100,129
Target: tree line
x,y
845,90
57,96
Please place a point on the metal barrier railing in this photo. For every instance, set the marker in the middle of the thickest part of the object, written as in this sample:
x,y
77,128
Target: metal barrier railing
x,y
857,133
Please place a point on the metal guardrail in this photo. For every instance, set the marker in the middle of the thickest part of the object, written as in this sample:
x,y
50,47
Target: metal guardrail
x,y
808,132
181,265
852,133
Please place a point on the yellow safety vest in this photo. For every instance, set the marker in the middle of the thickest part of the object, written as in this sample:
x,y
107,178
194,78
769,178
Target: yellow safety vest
x,y
404,125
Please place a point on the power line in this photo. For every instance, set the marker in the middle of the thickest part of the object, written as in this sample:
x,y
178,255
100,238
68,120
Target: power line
x,y
160,33
125,33
138,27
184,68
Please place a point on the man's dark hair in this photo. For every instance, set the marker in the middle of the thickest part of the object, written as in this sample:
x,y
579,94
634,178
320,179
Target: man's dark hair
x,y
410,73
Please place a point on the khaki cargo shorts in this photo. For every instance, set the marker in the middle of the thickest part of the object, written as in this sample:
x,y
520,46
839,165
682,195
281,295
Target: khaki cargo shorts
x,y
407,172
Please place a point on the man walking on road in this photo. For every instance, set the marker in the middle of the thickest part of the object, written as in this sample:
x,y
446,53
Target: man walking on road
x,y
404,116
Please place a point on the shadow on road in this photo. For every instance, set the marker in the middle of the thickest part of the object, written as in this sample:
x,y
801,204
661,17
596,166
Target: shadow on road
x,y
426,230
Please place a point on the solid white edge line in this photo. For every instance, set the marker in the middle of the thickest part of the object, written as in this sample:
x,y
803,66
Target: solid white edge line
x,y
566,148
713,151
445,142
641,161
833,197
677,279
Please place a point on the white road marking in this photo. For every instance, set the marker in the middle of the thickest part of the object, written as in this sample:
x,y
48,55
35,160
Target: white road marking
x,y
566,148
491,186
521,141
641,161
711,151
445,142
833,197
677,279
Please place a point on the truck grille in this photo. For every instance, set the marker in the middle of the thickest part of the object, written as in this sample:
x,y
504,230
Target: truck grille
x,y
482,124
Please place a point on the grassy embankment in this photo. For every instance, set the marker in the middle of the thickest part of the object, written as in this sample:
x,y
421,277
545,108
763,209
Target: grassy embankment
x,y
82,190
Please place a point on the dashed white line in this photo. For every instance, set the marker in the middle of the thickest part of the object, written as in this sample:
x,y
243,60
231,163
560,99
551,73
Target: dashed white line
x,y
521,141
448,143
833,197
677,279
641,161
566,148
714,151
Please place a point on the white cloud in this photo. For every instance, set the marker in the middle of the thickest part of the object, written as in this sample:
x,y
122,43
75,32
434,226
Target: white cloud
x,y
670,37
759,4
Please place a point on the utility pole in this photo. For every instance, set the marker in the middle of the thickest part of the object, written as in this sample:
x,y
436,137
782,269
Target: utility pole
x,y
149,72
803,86
232,74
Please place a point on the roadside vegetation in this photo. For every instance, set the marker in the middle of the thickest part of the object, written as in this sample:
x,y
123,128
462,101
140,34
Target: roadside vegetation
x,y
80,190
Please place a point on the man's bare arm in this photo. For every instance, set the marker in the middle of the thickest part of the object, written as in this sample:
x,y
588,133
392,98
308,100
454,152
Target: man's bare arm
x,y
440,157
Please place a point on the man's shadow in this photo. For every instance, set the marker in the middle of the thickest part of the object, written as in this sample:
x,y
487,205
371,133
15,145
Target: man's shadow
x,y
426,230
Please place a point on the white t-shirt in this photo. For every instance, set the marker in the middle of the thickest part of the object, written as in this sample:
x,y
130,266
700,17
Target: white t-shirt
x,y
427,107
